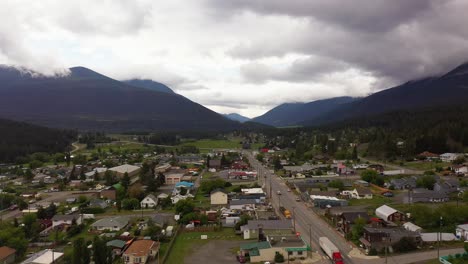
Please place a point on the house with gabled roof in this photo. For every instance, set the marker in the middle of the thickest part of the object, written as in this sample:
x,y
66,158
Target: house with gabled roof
x,y
111,223
150,201
140,251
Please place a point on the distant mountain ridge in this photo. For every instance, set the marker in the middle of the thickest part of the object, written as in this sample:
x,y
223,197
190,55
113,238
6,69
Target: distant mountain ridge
x,y
237,117
447,90
149,84
87,100
292,114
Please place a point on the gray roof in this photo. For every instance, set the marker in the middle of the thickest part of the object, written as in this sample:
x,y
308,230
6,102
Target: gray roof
x,y
269,224
243,201
69,217
118,221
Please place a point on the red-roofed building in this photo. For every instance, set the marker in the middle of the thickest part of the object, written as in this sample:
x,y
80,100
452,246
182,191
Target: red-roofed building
x,y
428,155
140,251
7,255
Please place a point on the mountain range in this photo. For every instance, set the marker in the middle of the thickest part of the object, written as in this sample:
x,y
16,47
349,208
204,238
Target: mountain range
x,y
293,114
237,117
87,100
447,90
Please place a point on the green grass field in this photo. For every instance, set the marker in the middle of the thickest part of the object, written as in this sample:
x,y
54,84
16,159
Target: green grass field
x,y
214,143
185,243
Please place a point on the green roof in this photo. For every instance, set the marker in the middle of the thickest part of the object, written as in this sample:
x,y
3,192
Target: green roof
x,y
256,245
297,249
116,243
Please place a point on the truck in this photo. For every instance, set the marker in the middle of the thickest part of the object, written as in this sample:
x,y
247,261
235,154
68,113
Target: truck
x,y
331,250
285,212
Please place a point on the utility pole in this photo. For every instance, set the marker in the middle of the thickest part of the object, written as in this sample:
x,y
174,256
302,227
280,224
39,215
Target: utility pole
x,y
310,238
294,218
439,237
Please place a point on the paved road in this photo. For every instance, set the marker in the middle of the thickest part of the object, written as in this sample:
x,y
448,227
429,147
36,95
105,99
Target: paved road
x,y
308,222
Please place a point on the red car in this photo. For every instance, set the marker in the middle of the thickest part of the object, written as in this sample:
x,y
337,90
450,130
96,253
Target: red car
x,y
241,259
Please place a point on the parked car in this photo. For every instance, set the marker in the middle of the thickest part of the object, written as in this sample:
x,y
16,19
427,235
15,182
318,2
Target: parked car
x,y
387,194
241,259
278,192
298,199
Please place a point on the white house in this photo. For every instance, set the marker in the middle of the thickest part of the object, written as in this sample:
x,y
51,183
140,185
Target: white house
x,y
66,219
462,232
461,170
449,157
358,193
150,201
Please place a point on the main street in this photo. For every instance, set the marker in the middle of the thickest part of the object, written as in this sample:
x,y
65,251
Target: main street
x,y
311,226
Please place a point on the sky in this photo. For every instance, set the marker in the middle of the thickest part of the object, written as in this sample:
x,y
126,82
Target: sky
x,y
242,56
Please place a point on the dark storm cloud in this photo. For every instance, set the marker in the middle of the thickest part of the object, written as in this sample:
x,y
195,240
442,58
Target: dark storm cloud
x,y
394,40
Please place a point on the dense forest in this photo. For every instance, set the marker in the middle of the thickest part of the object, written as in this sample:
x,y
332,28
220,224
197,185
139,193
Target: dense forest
x,y
21,139
399,134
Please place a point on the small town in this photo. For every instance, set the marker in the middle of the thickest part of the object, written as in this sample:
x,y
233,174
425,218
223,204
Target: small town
x,y
226,132
126,202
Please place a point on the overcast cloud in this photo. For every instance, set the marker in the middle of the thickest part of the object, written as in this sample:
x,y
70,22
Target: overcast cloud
x,y
243,56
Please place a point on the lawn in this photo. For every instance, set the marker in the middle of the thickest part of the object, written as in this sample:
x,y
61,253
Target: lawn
x,y
214,143
425,165
377,201
186,242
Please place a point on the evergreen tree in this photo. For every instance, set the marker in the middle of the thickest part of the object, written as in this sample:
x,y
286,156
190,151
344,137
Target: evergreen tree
x,y
125,181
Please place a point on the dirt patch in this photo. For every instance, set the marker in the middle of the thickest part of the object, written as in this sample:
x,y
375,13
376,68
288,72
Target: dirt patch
x,y
214,252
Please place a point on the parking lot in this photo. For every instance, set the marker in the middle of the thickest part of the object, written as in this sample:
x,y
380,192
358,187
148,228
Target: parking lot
x,y
215,252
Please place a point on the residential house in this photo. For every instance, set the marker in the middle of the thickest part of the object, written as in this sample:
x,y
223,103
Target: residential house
x,y
387,213
358,193
266,227
461,170
7,255
380,237
66,219
98,203
429,155
116,246
290,247
427,196
449,157
150,201
243,204
162,196
348,219
131,170
447,186
112,224
462,232
141,251
403,183
218,197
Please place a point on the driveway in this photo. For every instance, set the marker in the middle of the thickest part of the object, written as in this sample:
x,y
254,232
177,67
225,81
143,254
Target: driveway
x,y
215,252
